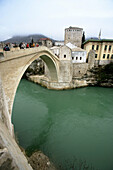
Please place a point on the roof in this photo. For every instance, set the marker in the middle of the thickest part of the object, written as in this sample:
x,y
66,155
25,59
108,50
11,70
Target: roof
x,y
43,39
74,28
60,41
71,46
78,50
74,48
54,47
97,40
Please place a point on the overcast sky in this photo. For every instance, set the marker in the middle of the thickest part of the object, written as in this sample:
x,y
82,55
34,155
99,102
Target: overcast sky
x,y
51,17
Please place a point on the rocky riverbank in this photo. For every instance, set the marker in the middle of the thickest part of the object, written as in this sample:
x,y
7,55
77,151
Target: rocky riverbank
x,y
100,76
39,161
97,76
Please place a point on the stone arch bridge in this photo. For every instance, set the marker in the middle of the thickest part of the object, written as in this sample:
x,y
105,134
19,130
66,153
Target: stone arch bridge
x,y
13,64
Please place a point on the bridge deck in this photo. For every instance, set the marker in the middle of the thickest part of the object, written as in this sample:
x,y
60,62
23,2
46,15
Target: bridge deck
x,y
9,55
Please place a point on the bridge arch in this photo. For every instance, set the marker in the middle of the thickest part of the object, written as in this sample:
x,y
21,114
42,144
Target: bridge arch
x,y
51,64
49,61
14,65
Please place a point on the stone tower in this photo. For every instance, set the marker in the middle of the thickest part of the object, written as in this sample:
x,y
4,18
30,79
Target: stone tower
x,y
73,35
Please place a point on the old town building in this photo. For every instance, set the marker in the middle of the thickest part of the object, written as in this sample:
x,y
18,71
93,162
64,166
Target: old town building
x,y
73,35
103,50
70,52
45,42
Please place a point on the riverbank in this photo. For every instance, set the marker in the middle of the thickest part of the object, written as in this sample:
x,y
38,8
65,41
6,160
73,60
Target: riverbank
x,y
98,76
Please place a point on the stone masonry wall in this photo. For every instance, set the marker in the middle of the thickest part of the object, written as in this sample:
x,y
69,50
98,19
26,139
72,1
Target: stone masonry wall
x,y
11,157
4,113
79,69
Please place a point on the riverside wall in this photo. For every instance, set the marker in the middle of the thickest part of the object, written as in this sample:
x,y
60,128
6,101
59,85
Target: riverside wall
x,y
43,81
11,156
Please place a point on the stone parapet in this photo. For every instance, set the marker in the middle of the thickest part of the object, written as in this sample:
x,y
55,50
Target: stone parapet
x,y
11,156
4,113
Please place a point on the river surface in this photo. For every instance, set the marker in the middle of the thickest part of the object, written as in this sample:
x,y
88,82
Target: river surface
x,y
74,128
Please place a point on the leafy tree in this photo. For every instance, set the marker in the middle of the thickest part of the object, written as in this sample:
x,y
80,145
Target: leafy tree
x,y
83,40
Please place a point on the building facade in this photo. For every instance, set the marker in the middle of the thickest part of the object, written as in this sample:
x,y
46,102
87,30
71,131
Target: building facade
x,y
78,55
45,42
56,50
59,43
70,52
74,36
103,50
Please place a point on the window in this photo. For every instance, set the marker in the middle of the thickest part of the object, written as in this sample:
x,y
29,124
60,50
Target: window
x,y
112,56
109,47
97,47
92,47
72,58
108,56
76,58
64,55
80,58
95,55
105,48
103,55
1,54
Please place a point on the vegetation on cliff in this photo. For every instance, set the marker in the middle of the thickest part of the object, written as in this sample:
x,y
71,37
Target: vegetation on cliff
x,y
105,75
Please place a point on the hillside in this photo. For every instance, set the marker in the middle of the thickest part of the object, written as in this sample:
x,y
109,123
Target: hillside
x,y
27,39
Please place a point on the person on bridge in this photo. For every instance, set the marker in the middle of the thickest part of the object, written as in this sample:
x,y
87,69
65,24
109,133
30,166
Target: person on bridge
x,y
27,46
6,48
22,45
37,45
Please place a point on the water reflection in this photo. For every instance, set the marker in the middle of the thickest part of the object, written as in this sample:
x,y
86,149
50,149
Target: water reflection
x,y
66,125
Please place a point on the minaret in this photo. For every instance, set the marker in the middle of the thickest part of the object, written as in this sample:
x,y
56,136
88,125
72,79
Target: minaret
x,y
99,37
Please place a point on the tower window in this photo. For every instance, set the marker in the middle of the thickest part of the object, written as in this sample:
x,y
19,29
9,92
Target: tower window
x,y
112,56
110,48
95,55
92,47
72,58
103,55
108,56
64,55
105,47
80,58
76,58
97,47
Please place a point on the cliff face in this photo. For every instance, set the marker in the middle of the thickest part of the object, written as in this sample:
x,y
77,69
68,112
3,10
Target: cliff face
x,y
100,76
36,68
11,157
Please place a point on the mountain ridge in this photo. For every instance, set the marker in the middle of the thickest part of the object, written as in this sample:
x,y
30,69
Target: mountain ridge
x,y
25,38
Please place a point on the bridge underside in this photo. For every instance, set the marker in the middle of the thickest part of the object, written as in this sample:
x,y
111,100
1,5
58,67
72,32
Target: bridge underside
x,y
14,64
12,70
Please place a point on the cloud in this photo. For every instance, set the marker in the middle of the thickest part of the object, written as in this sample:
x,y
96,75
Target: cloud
x,y
51,17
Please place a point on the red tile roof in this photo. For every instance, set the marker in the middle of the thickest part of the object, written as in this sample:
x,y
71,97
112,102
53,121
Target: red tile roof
x,y
42,39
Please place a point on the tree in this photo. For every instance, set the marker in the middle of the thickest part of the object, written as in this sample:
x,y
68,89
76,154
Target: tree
x,y
83,40
32,41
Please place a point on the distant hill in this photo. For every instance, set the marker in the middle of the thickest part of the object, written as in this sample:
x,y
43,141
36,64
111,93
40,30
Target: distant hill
x,y
26,39
96,38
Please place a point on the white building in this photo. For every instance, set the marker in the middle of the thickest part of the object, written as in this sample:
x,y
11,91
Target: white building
x,y
65,53
56,50
59,43
78,55
70,52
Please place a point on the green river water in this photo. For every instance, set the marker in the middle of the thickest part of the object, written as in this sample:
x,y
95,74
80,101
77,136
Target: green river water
x,y
74,128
